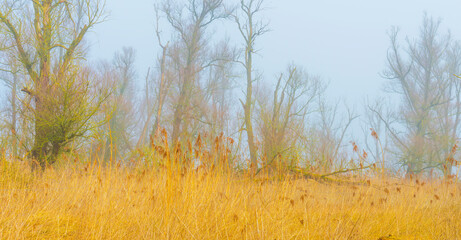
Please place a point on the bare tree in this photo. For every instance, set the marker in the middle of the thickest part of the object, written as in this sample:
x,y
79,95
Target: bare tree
x,y
282,123
376,137
47,45
161,85
429,114
327,135
250,29
12,78
218,90
190,21
121,120
164,83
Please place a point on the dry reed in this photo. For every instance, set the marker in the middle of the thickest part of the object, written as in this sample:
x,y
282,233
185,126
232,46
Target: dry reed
x,y
95,202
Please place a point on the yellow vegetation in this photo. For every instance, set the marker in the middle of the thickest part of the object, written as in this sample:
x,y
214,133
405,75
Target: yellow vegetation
x,y
116,203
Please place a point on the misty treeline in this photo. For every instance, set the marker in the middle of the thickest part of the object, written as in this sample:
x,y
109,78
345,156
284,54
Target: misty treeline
x,y
205,90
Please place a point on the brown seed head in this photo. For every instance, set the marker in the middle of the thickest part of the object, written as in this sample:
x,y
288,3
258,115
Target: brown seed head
x,y
386,191
374,134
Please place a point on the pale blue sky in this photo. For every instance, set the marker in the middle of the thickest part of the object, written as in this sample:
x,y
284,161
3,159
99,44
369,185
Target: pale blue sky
x,y
345,42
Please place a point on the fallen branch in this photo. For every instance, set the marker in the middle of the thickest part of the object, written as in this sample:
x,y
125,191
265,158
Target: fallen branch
x,y
326,177
272,160
348,170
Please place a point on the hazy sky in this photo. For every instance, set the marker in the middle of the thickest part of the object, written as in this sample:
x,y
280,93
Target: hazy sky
x,y
345,42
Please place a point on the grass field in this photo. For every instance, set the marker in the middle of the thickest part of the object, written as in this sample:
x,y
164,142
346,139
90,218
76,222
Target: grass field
x,y
93,202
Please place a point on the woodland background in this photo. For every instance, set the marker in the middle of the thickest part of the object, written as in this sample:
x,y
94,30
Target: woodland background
x,y
205,90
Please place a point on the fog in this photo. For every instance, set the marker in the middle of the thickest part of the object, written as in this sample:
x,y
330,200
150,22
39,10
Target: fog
x,y
345,42
325,84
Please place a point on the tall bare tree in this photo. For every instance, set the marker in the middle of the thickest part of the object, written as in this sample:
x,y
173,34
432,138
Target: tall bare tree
x,y
164,82
250,29
46,38
121,112
422,73
160,84
189,56
218,91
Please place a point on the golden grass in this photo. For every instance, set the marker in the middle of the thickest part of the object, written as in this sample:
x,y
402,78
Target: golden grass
x,y
145,204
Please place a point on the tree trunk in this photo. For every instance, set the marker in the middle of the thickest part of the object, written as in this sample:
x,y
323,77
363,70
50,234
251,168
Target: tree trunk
x,y
39,150
247,109
14,116
178,118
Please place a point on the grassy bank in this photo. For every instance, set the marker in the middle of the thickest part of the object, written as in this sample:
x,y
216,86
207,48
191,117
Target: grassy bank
x,y
96,203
